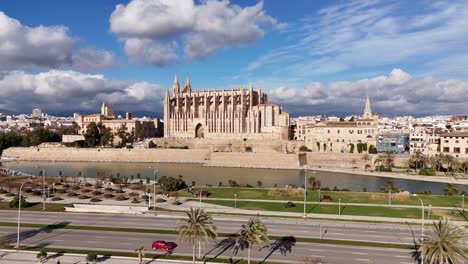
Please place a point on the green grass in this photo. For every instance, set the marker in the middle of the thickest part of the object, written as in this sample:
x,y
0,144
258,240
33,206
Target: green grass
x,y
346,197
346,210
50,207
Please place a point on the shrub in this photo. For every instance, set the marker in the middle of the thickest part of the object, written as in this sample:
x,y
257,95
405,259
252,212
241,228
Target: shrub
x,y
171,184
28,191
66,185
108,195
133,194
82,197
233,183
364,189
287,191
160,200
427,172
56,198
248,149
176,203
135,200
75,188
383,168
450,190
426,192
86,184
108,189
72,194
61,191
42,256
289,205
220,184
37,193
95,200
14,203
144,197
372,149
352,148
326,189
121,198
91,257
96,192
304,148
85,190
119,191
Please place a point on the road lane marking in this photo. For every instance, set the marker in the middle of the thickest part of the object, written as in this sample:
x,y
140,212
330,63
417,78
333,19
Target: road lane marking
x,y
360,253
363,259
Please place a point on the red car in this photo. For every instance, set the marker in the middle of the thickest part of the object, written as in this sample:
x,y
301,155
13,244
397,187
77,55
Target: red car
x,y
163,245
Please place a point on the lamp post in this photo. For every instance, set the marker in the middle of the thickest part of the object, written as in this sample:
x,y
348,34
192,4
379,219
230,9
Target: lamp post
x,y
305,194
154,188
19,215
422,216
463,203
389,196
43,188
429,213
201,191
339,206
235,200
53,189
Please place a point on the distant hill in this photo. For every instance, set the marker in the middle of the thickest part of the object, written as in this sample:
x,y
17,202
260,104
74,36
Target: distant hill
x,y
8,112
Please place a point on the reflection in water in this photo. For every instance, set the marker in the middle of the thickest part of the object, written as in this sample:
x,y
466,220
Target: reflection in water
x,y
214,175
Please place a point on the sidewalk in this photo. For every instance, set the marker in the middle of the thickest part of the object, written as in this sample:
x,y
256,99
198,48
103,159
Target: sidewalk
x,y
22,257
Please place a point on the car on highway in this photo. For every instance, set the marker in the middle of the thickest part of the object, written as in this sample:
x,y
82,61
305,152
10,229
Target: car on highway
x,y
163,245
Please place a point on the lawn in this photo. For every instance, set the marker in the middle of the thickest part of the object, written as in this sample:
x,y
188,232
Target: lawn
x,y
345,210
346,197
50,207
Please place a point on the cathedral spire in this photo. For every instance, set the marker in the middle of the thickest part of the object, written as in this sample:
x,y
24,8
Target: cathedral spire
x,y
187,87
176,85
367,109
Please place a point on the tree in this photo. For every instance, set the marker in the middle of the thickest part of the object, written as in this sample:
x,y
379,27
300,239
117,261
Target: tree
x,y
464,166
198,228
352,148
107,137
92,135
379,160
14,202
140,253
259,184
123,135
366,157
359,147
448,160
372,149
314,184
42,256
389,159
255,232
450,190
444,244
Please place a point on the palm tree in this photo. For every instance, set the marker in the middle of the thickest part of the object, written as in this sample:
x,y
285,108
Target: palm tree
x,y
448,160
197,229
255,232
141,253
444,244
42,256
366,157
379,160
389,159
464,166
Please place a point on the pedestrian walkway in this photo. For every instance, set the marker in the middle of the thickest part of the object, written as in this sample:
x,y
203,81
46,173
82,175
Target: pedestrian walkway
x,y
22,257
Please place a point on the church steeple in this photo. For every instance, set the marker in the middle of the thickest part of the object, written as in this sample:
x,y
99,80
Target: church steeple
x,y
176,85
187,87
367,109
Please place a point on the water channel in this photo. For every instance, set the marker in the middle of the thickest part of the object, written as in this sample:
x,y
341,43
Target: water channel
x,y
213,175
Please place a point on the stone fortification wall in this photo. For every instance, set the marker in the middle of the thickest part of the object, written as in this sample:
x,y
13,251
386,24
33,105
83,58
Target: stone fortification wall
x,y
345,160
254,160
117,155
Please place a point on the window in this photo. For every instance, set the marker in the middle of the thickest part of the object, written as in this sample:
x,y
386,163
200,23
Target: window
x,y
456,150
446,141
466,150
338,131
359,131
446,149
328,131
456,141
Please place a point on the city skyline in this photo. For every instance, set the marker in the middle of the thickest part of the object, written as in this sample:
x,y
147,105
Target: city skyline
x,y
317,58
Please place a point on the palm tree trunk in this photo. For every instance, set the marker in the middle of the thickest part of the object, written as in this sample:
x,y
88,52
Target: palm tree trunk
x,y
248,255
194,249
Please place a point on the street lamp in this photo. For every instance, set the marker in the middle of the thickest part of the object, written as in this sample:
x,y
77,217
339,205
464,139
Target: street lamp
x,y
339,206
19,215
422,216
235,200
154,188
305,193
429,213
43,188
389,196
201,191
463,204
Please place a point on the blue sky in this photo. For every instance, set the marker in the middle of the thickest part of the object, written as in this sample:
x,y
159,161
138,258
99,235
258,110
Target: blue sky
x,y
313,57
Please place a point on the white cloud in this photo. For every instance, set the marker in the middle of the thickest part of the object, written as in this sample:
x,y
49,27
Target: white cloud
x,y
362,35
145,51
91,59
60,91
202,29
397,93
23,47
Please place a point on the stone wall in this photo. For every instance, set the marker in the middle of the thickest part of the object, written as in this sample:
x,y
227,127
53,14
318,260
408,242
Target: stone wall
x,y
345,160
104,154
254,160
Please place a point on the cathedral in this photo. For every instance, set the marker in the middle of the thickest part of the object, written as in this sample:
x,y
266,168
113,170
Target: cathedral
x,y
222,114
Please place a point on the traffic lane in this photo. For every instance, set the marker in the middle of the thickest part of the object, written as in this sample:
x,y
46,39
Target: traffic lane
x,y
310,228
121,241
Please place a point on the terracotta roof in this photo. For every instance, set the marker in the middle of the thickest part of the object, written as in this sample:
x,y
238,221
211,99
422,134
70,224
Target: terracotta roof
x,y
341,124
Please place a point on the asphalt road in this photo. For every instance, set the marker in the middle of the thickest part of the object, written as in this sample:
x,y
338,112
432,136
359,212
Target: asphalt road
x,y
359,231
284,251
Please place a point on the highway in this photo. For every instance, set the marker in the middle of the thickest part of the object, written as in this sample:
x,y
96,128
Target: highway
x,y
359,231
284,251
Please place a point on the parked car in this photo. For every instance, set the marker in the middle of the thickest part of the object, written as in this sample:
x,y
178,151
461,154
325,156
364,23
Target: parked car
x,y
163,245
